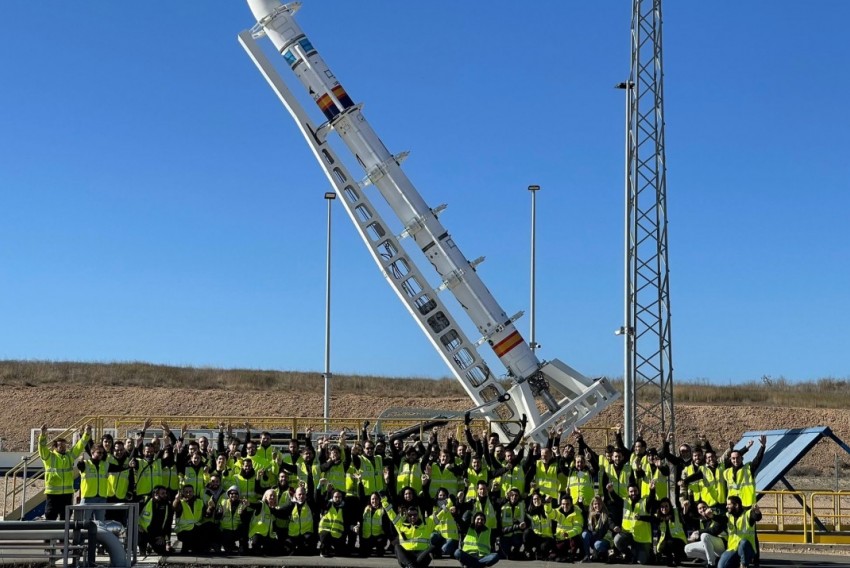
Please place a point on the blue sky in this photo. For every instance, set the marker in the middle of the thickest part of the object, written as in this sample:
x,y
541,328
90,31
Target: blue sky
x,y
158,203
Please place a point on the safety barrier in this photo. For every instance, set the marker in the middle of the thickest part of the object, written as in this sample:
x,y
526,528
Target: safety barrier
x,y
785,517
830,511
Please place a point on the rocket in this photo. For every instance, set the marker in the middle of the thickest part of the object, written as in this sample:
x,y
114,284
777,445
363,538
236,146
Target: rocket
x,y
386,174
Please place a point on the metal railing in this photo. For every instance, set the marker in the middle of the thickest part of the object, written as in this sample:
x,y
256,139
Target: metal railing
x,y
785,517
831,512
22,487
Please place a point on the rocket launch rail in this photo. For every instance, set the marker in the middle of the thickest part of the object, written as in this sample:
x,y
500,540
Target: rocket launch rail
x,y
534,383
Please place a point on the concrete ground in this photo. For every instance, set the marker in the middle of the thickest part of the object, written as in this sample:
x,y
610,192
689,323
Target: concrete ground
x,y
768,560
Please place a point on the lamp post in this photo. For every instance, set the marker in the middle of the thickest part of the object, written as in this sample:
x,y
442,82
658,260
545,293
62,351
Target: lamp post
x,y
533,189
329,197
627,331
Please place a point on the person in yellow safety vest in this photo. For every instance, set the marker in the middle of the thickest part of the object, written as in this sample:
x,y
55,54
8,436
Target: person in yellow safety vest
x,y
569,522
580,483
599,535
539,537
194,473
233,515
155,517
513,473
693,490
545,473
478,545
480,504
712,482
261,531
267,455
284,492
332,525
634,535
742,547
374,528
617,479
148,473
671,531
119,480
247,482
94,482
512,523
658,470
709,542
741,477
59,471
301,539
189,511
371,469
444,510
444,474
418,538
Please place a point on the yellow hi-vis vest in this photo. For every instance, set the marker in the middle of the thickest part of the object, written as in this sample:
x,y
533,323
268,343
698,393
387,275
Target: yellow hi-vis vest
x,y
661,483
541,523
513,478
416,537
191,516
231,517
640,530
247,487
676,530
488,510
446,524
473,477
442,478
148,476
59,468
262,523
546,477
169,477
372,474
352,486
118,482
146,516
694,487
620,480
336,477
601,471
580,486
742,484
300,520
196,478
568,525
713,486
94,480
372,525
409,475
475,543
740,529
332,522
512,516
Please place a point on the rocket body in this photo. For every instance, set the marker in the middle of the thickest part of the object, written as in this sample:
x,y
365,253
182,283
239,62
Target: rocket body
x,y
420,222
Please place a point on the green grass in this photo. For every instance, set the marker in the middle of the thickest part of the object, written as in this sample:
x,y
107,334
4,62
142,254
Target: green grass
x,y
828,392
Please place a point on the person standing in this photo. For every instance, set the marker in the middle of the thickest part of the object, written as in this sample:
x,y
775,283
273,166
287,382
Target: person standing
x,y
59,471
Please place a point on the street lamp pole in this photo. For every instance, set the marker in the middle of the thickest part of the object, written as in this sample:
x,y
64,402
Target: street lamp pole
x,y
533,189
329,197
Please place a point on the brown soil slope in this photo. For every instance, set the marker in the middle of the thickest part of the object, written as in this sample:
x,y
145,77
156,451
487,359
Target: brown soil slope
x,y
28,407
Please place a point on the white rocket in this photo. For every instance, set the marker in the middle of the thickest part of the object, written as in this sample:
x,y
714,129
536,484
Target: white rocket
x,y
584,397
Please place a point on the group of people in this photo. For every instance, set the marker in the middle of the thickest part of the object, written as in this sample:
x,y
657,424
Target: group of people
x,y
476,498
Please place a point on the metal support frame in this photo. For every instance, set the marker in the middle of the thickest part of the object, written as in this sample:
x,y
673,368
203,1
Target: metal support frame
x,y
649,370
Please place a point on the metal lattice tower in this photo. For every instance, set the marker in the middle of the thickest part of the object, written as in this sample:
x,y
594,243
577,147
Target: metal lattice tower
x,y
648,376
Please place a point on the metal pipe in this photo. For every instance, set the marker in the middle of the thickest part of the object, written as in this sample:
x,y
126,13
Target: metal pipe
x,y
24,460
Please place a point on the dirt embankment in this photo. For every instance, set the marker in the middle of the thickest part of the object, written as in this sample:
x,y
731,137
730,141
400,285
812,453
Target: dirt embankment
x,y
28,407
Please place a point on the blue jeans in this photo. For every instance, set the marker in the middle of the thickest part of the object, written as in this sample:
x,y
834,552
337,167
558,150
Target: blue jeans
x,y
99,515
600,546
467,559
742,556
449,547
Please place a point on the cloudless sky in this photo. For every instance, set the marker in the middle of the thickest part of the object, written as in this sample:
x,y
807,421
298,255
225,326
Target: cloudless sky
x,y
159,204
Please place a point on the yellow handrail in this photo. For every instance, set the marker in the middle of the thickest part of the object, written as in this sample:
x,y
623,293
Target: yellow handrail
x,y
835,516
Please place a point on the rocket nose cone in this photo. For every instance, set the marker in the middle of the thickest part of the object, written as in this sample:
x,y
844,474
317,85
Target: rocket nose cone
x,y
262,8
